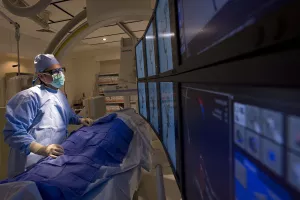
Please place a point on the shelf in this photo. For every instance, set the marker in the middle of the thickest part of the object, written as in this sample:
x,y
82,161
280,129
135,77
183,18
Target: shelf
x,y
113,74
114,102
108,112
133,102
103,84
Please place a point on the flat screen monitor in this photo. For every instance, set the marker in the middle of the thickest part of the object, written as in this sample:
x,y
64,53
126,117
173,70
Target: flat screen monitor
x,y
153,105
150,50
205,23
164,34
206,144
240,145
168,119
140,63
266,150
142,99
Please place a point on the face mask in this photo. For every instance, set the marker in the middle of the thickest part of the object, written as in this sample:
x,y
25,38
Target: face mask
x,y
58,80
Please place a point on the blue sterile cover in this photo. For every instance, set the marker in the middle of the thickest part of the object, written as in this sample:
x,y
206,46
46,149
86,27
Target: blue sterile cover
x,y
87,150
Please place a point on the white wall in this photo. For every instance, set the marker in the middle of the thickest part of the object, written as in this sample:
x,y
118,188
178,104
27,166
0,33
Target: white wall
x,y
82,69
29,48
109,66
6,62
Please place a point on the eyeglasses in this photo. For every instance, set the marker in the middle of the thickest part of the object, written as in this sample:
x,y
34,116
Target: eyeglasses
x,y
55,71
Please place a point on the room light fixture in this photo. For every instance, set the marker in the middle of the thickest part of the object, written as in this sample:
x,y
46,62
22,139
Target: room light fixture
x,y
104,39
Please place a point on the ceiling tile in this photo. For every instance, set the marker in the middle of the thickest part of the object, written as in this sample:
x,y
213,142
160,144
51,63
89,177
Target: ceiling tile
x,y
57,14
57,26
74,6
85,47
106,31
137,25
109,39
139,34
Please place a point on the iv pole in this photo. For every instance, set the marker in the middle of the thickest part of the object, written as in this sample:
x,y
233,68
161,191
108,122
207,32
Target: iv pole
x,y
17,37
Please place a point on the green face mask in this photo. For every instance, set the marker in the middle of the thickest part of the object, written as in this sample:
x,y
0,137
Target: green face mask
x,y
58,80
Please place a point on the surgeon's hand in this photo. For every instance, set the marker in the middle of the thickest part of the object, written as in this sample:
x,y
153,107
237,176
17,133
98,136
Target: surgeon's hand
x,y
86,121
54,150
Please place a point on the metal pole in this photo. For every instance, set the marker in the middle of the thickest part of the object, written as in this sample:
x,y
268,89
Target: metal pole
x,y
17,36
161,195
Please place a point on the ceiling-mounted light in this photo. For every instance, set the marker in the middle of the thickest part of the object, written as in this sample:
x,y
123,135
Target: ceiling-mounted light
x,y
104,39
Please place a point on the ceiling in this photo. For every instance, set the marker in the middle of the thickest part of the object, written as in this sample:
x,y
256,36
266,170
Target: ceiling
x,y
62,11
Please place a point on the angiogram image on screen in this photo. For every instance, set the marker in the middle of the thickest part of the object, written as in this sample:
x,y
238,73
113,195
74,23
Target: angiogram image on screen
x,y
152,87
259,131
164,36
205,23
253,183
150,37
142,99
206,144
140,60
168,119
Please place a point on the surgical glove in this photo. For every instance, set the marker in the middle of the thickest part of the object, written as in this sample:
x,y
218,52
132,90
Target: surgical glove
x,y
86,121
52,150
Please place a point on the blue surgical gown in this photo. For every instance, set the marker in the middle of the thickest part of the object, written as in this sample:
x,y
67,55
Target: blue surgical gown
x,y
37,114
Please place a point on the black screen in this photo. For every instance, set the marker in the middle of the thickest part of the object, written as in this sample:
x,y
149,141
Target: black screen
x,y
205,23
207,146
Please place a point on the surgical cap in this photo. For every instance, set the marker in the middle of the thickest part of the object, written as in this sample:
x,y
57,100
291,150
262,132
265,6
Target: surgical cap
x,y
44,61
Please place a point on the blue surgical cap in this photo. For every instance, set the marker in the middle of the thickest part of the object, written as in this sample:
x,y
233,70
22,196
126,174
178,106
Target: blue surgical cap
x,y
44,61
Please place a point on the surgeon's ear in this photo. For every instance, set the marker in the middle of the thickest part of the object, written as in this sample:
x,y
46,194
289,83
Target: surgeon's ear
x,y
44,78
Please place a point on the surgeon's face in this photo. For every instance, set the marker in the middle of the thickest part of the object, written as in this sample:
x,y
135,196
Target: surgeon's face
x,y
46,76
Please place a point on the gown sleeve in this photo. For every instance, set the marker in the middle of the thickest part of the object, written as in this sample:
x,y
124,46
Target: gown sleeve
x,y
21,110
74,119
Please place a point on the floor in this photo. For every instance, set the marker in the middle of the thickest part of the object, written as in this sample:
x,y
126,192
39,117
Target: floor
x,y
147,189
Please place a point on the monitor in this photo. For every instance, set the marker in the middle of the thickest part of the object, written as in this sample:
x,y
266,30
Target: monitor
x,y
240,143
164,36
206,144
266,150
140,63
205,23
153,105
168,120
150,50
142,99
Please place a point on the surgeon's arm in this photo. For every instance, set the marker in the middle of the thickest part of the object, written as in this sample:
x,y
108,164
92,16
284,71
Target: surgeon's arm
x,y
20,113
75,119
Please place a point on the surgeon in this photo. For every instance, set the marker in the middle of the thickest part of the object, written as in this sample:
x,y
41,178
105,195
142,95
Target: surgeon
x,y
37,118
